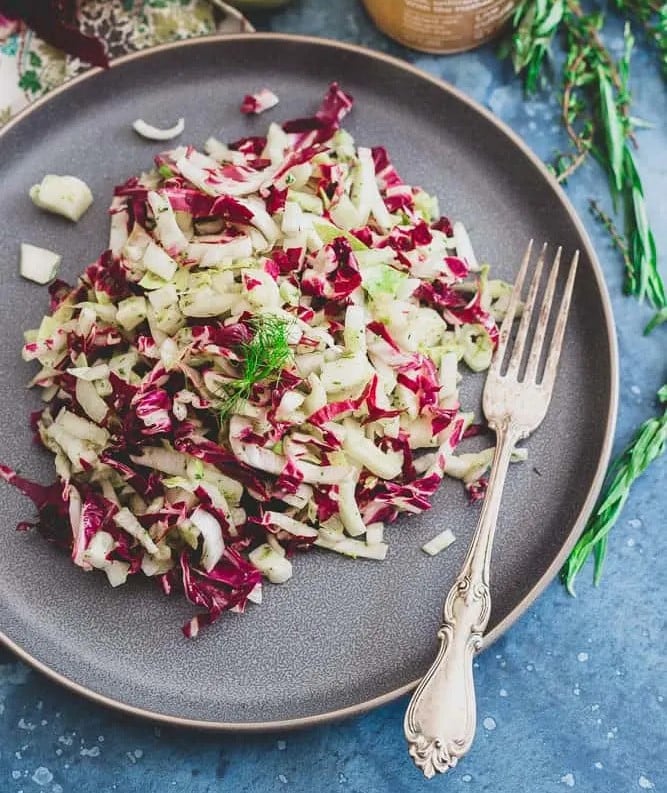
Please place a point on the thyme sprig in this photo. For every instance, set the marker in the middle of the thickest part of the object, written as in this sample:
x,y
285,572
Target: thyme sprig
x,y
648,443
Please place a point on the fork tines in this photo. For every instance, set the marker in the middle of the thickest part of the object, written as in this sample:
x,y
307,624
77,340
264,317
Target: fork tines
x,y
540,331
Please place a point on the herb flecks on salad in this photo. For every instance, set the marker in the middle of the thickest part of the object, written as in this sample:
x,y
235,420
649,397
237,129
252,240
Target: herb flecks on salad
x,y
265,358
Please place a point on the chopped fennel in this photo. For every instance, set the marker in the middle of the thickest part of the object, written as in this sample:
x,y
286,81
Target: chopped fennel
x,y
440,542
64,195
266,358
38,264
152,132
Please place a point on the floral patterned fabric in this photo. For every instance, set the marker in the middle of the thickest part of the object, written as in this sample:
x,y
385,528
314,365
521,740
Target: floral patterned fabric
x,y
30,68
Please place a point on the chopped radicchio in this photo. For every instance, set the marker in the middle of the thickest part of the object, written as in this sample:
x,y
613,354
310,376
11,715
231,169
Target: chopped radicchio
x,y
257,364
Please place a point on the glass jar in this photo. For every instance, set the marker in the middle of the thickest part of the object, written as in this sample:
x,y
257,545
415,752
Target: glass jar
x,y
440,26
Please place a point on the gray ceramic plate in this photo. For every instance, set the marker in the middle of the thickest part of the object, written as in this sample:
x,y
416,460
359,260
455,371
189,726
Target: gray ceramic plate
x,y
341,636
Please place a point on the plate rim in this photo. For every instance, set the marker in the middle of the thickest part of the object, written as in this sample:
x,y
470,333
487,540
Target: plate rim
x,y
547,577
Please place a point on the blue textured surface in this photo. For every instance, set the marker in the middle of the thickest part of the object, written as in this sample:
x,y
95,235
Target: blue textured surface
x,y
572,697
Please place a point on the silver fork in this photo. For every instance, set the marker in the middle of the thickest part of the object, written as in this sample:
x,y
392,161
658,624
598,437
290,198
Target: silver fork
x,y
440,720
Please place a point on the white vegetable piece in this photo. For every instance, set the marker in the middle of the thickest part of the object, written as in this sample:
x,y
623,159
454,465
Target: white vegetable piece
x,y
98,372
463,245
354,548
369,200
439,543
347,372
82,429
386,465
38,264
158,261
374,533
349,509
355,329
99,547
211,533
92,403
131,312
276,143
64,195
125,520
275,567
295,527
167,229
255,595
156,133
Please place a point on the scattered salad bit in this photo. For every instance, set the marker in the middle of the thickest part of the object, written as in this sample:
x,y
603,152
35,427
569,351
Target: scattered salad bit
x,y
64,195
38,264
259,102
156,133
439,543
265,358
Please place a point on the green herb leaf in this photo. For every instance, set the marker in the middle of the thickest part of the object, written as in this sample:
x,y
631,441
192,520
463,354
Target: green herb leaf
x,y
596,113
613,128
658,319
165,171
262,359
647,280
648,444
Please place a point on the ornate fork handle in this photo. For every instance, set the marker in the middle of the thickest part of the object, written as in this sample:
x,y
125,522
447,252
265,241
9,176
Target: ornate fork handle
x,y
441,717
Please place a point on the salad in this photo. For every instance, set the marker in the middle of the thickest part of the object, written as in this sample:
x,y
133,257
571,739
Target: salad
x,y
265,358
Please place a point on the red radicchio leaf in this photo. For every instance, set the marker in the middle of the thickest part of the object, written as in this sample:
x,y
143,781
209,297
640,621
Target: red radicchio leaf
x,y
51,502
253,144
444,225
326,505
108,276
288,261
227,586
477,490
275,199
384,169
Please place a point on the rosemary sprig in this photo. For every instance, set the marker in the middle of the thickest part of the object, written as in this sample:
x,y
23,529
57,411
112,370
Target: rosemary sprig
x,y
596,114
535,23
648,444
262,359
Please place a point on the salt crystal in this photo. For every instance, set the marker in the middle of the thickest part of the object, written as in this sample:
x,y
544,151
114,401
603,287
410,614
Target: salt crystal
x,y
42,776
568,779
